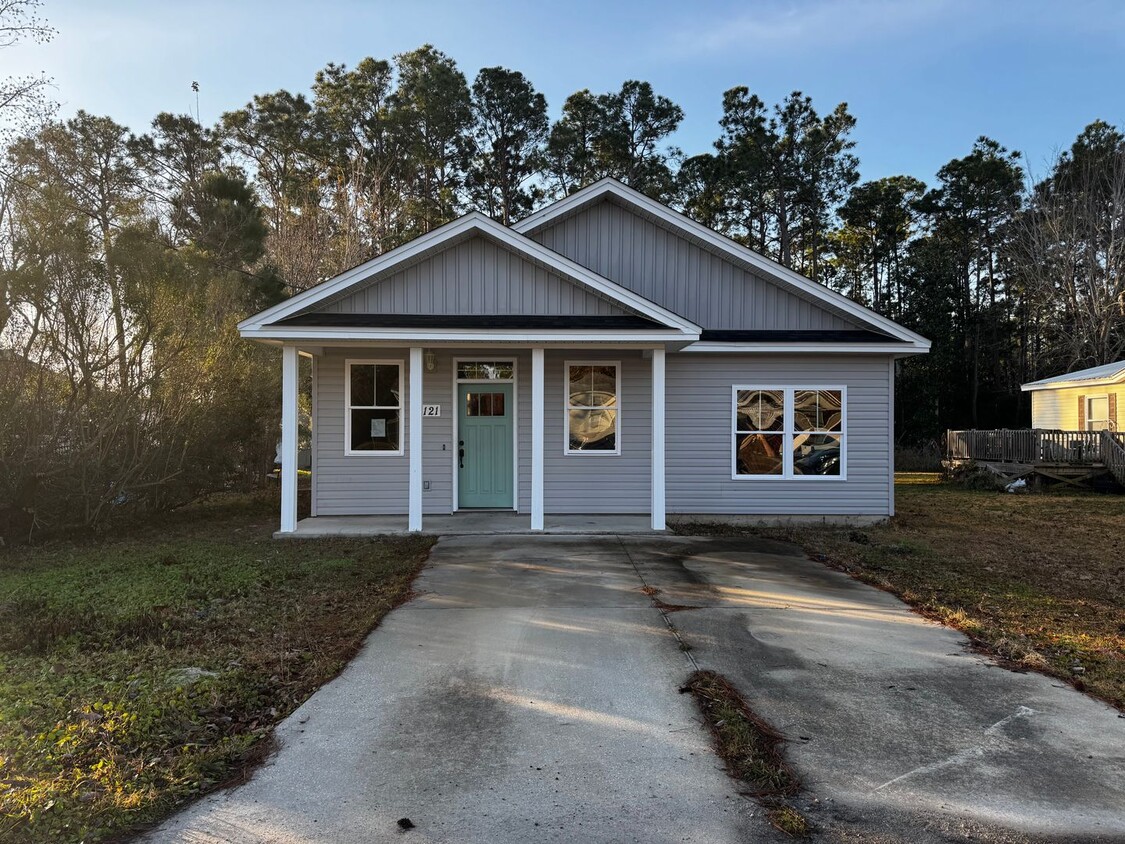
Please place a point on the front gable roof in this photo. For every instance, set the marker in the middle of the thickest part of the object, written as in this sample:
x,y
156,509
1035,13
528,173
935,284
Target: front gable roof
x,y
611,190
312,308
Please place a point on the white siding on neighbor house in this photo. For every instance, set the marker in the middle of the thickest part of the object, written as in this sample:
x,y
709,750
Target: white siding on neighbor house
x,y
1058,409
700,435
475,276
678,274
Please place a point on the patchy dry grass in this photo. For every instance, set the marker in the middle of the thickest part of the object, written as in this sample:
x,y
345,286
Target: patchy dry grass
x,y
138,673
913,478
750,748
1037,579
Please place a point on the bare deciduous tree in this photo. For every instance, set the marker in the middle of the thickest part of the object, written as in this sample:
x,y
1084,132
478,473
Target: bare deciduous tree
x,y
25,100
1069,249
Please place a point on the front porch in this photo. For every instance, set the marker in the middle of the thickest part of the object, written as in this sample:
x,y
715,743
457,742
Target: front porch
x,y
469,524
478,438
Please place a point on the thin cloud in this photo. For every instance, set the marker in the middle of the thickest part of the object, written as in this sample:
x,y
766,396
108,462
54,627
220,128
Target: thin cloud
x,y
796,27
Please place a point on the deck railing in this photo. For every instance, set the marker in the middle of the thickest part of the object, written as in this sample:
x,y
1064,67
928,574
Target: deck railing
x,y
1113,454
1031,446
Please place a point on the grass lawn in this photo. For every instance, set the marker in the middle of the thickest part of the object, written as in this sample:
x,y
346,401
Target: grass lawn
x,y
143,671
1036,579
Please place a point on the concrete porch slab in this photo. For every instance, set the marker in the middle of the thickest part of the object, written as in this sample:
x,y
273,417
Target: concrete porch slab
x,y
470,523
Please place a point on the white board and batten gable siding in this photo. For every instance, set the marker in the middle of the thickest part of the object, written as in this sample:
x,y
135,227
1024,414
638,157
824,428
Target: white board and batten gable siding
x,y
474,276
671,270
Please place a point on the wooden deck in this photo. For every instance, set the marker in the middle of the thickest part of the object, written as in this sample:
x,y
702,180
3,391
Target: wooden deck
x,y
1072,457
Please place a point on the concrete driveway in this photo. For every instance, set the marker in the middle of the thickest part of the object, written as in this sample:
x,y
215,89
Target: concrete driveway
x,y
530,694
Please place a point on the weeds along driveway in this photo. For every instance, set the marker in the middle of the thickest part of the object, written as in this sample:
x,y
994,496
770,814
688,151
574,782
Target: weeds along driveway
x,y
530,693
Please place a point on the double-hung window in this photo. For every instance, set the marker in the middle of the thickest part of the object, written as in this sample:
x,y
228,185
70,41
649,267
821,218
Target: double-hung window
x,y
592,405
373,407
1097,413
789,432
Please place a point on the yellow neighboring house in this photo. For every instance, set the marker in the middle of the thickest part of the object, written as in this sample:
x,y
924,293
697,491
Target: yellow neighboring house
x,y
1086,400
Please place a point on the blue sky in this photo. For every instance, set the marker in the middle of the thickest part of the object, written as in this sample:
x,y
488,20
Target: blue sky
x,y
923,77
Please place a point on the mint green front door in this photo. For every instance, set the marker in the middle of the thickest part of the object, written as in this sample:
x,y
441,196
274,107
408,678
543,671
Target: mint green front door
x,y
484,448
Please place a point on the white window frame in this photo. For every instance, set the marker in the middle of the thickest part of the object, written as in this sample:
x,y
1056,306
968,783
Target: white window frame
x,y
1089,402
402,421
616,364
788,433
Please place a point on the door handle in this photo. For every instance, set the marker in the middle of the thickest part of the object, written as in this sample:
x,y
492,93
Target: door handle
x,y
461,454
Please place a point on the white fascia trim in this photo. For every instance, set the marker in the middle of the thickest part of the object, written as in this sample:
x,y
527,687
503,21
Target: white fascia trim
x,y
453,335
1070,385
724,244
474,222
807,348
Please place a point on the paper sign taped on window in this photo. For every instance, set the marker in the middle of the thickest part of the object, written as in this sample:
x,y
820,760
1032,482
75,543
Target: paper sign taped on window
x,y
378,428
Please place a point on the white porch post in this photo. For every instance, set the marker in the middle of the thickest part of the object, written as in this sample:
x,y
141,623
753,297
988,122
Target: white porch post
x,y
658,516
414,439
537,438
289,370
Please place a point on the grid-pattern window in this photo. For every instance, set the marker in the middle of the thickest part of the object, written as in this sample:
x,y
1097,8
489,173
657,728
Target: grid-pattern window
x,y
759,438
789,432
592,407
374,407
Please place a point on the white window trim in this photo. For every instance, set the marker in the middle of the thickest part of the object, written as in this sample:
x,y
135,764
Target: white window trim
x,y
788,435
566,408
514,381
348,451
1089,401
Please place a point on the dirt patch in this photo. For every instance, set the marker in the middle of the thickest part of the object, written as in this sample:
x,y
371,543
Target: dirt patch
x,y
654,595
750,748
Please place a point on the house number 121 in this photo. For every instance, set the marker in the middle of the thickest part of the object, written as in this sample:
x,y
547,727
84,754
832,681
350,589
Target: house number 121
x,y
431,410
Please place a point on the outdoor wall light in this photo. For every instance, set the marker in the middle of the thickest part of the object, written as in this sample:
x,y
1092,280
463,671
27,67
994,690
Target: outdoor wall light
x,y
431,361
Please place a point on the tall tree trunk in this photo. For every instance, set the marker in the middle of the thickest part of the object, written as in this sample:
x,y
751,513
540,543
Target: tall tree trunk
x,y
116,306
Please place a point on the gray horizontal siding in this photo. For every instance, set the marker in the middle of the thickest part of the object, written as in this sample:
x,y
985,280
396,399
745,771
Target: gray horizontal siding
x,y
475,276
679,275
588,483
361,485
700,441
354,484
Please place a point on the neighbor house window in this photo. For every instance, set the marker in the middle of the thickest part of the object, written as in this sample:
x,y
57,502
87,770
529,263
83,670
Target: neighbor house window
x,y
373,417
592,405
789,432
1097,413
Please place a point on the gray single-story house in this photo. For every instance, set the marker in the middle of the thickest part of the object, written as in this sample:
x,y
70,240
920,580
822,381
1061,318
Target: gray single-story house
x,y
605,355
1085,400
